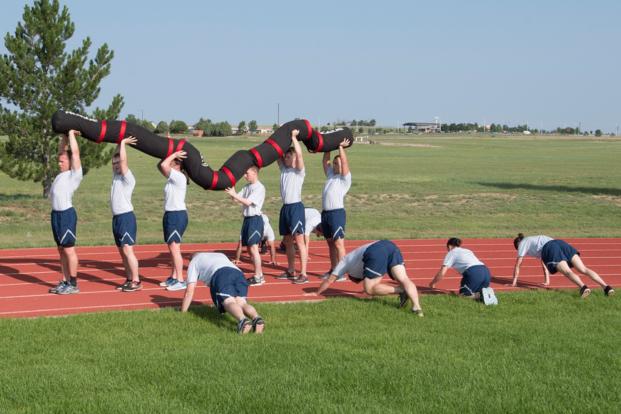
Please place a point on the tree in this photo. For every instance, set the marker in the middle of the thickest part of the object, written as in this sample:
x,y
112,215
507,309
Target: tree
x,y
37,77
178,127
252,126
598,132
241,127
275,127
161,127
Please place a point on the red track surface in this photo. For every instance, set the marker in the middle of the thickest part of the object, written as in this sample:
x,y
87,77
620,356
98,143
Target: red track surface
x,y
27,274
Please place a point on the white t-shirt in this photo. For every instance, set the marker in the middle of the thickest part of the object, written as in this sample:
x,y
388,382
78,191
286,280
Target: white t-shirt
x,y
63,187
121,193
291,181
334,190
255,193
174,191
268,231
531,246
352,263
461,259
204,265
312,218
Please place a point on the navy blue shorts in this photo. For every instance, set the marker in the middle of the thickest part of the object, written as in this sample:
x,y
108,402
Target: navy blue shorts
x,y
124,229
380,258
474,279
174,223
252,230
292,220
333,223
227,282
64,224
556,251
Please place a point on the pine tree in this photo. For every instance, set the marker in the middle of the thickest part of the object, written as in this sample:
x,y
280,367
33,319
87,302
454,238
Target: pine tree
x,y
37,77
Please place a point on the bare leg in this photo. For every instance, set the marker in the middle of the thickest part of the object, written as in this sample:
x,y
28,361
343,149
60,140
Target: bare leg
x,y
64,268
333,253
72,261
339,245
400,275
375,287
253,252
232,306
290,254
563,267
580,267
251,312
131,263
128,274
177,261
299,239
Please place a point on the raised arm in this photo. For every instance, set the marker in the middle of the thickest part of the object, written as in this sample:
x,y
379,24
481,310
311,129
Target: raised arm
x,y
343,157
299,159
516,271
546,274
123,153
326,163
187,298
76,164
238,198
438,277
166,164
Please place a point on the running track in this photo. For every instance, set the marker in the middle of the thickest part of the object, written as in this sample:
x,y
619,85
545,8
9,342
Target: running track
x,y
27,274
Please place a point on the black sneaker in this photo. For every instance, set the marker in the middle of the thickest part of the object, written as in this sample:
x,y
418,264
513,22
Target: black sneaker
x,y
281,248
263,247
124,285
403,299
256,280
258,324
244,326
584,291
132,287
609,291
286,276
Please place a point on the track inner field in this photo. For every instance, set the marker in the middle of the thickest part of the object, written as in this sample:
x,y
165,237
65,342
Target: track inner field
x,y
27,274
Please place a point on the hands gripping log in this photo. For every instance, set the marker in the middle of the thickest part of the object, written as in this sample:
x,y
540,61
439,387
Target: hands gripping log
x,y
194,164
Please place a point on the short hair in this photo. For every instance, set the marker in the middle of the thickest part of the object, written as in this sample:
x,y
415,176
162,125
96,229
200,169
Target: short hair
x,y
453,241
254,168
517,240
290,150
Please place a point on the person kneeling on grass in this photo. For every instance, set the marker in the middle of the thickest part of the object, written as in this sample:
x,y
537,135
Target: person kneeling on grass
x,y
475,275
228,289
368,264
556,255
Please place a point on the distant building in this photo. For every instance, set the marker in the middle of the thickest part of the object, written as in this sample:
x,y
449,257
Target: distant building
x,y
427,127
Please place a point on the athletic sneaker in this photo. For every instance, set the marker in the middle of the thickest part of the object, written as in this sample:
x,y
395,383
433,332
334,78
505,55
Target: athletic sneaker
x,y
326,275
403,299
488,296
68,289
300,280
58,287
170,281
256,280
281,248
418,312
286,276
341,279
584,291
176,286
263,247
132,287
126,283
244,326
609,291
258,324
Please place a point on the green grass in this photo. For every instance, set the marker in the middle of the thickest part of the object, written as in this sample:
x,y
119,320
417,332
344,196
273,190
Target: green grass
x,y
535,352
410,187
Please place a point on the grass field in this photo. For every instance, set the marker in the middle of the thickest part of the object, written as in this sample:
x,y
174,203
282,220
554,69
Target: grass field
x,y
406,188
538,351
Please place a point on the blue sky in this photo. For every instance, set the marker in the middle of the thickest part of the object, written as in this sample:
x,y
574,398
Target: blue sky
x,y
548,63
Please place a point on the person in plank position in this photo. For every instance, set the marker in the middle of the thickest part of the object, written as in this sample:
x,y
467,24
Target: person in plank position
x,y
368,264
64,218
228,289
475,275
556,256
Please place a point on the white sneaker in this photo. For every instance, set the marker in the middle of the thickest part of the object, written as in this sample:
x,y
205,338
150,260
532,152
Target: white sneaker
x,y
176,286
489,298
256,280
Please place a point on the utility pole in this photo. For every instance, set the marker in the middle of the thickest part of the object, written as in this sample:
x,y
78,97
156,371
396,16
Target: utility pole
x,y
278,113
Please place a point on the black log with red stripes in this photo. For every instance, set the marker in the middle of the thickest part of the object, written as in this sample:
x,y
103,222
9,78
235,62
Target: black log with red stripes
x,y
231,171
